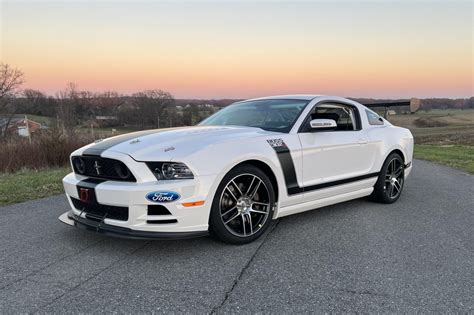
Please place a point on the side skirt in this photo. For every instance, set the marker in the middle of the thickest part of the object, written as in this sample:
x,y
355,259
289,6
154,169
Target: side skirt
x,y
310,205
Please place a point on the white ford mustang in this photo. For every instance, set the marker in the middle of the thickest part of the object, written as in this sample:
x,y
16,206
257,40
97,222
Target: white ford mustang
x,y
250,163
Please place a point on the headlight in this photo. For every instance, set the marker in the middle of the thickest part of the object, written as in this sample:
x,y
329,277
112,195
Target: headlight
x,y
170,170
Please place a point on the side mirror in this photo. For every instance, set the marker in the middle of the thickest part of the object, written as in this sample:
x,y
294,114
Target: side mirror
x,y
323,124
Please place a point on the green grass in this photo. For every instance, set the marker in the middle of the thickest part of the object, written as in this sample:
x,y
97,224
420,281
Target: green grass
x,y
443,112
457,156
30,184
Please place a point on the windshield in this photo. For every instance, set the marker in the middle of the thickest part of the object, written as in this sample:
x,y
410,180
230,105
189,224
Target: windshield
x,y
272,115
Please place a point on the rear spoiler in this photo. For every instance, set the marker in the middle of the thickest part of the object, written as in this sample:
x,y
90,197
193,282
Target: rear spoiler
x,y
414,104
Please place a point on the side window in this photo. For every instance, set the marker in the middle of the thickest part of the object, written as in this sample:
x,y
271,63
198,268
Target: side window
x,y
373,118
344,116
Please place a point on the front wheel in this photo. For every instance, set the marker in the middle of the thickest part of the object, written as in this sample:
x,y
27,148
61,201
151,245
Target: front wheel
x,y
242,208
389,185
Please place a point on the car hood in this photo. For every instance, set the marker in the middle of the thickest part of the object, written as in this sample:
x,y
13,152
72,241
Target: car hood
x,y
166,144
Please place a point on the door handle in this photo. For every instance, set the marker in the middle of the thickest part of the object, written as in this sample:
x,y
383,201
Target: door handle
x,y
362,141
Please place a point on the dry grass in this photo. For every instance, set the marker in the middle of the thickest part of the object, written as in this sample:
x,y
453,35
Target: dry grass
x,y
439,127
442,136
49,149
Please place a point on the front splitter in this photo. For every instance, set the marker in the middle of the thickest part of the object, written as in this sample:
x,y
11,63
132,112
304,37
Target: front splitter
x,y
72,219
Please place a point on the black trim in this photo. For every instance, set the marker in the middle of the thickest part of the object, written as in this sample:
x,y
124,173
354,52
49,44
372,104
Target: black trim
x,y
90,182
170,221
288,169
341,182
157,210
99,147
97,211
117,231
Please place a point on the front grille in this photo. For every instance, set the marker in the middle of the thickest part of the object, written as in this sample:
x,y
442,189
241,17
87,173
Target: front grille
x,y
99,167
98,211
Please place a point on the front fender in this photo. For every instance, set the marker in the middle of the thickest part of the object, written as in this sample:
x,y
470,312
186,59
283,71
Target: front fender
x,y
219,159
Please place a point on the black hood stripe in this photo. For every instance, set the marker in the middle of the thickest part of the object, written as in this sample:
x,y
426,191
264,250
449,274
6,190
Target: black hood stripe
x,y
288,169
106,144
98,148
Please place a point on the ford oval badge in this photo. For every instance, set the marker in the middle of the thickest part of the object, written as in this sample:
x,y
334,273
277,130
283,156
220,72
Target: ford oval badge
x,y
162,196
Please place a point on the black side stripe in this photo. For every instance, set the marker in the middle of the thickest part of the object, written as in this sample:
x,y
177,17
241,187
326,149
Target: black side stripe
x,y
288,168
341,182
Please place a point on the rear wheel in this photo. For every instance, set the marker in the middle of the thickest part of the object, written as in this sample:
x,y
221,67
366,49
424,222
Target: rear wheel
x,y
242,208
389,185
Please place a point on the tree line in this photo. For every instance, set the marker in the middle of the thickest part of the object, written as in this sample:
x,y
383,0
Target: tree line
x,y
72,107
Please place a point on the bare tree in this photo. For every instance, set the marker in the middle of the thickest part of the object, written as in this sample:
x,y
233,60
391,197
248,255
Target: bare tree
x,y
151,105
35,100
107,103
66,115
10,81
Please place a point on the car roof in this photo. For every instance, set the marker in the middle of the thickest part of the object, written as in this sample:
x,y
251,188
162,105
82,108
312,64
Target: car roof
x,y
306,97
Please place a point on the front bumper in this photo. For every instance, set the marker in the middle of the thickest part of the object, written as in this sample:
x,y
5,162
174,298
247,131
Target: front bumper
x,y
100,227
180,222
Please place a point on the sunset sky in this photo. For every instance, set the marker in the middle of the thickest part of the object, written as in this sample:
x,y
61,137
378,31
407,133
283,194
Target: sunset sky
x,y
244,49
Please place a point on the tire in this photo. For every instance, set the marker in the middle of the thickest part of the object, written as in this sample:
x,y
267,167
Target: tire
x,y
389,185
243,206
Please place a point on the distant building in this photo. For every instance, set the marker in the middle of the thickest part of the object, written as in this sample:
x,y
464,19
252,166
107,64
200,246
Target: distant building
x,y
21,126
106,117
200,106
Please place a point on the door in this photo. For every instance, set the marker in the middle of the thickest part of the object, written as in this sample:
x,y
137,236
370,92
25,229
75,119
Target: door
x,y
334,157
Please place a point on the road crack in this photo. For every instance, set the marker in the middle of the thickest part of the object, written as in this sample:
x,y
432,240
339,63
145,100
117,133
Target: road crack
x,y
216,308
90,278
37,271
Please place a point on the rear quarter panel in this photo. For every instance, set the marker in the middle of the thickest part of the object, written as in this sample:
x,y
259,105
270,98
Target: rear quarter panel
x,y
387,139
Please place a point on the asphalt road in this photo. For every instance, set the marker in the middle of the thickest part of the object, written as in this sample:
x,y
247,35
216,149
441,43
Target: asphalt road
x,y
416,255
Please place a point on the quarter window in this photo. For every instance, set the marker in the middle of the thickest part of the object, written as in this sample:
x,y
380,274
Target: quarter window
x,y
373,118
